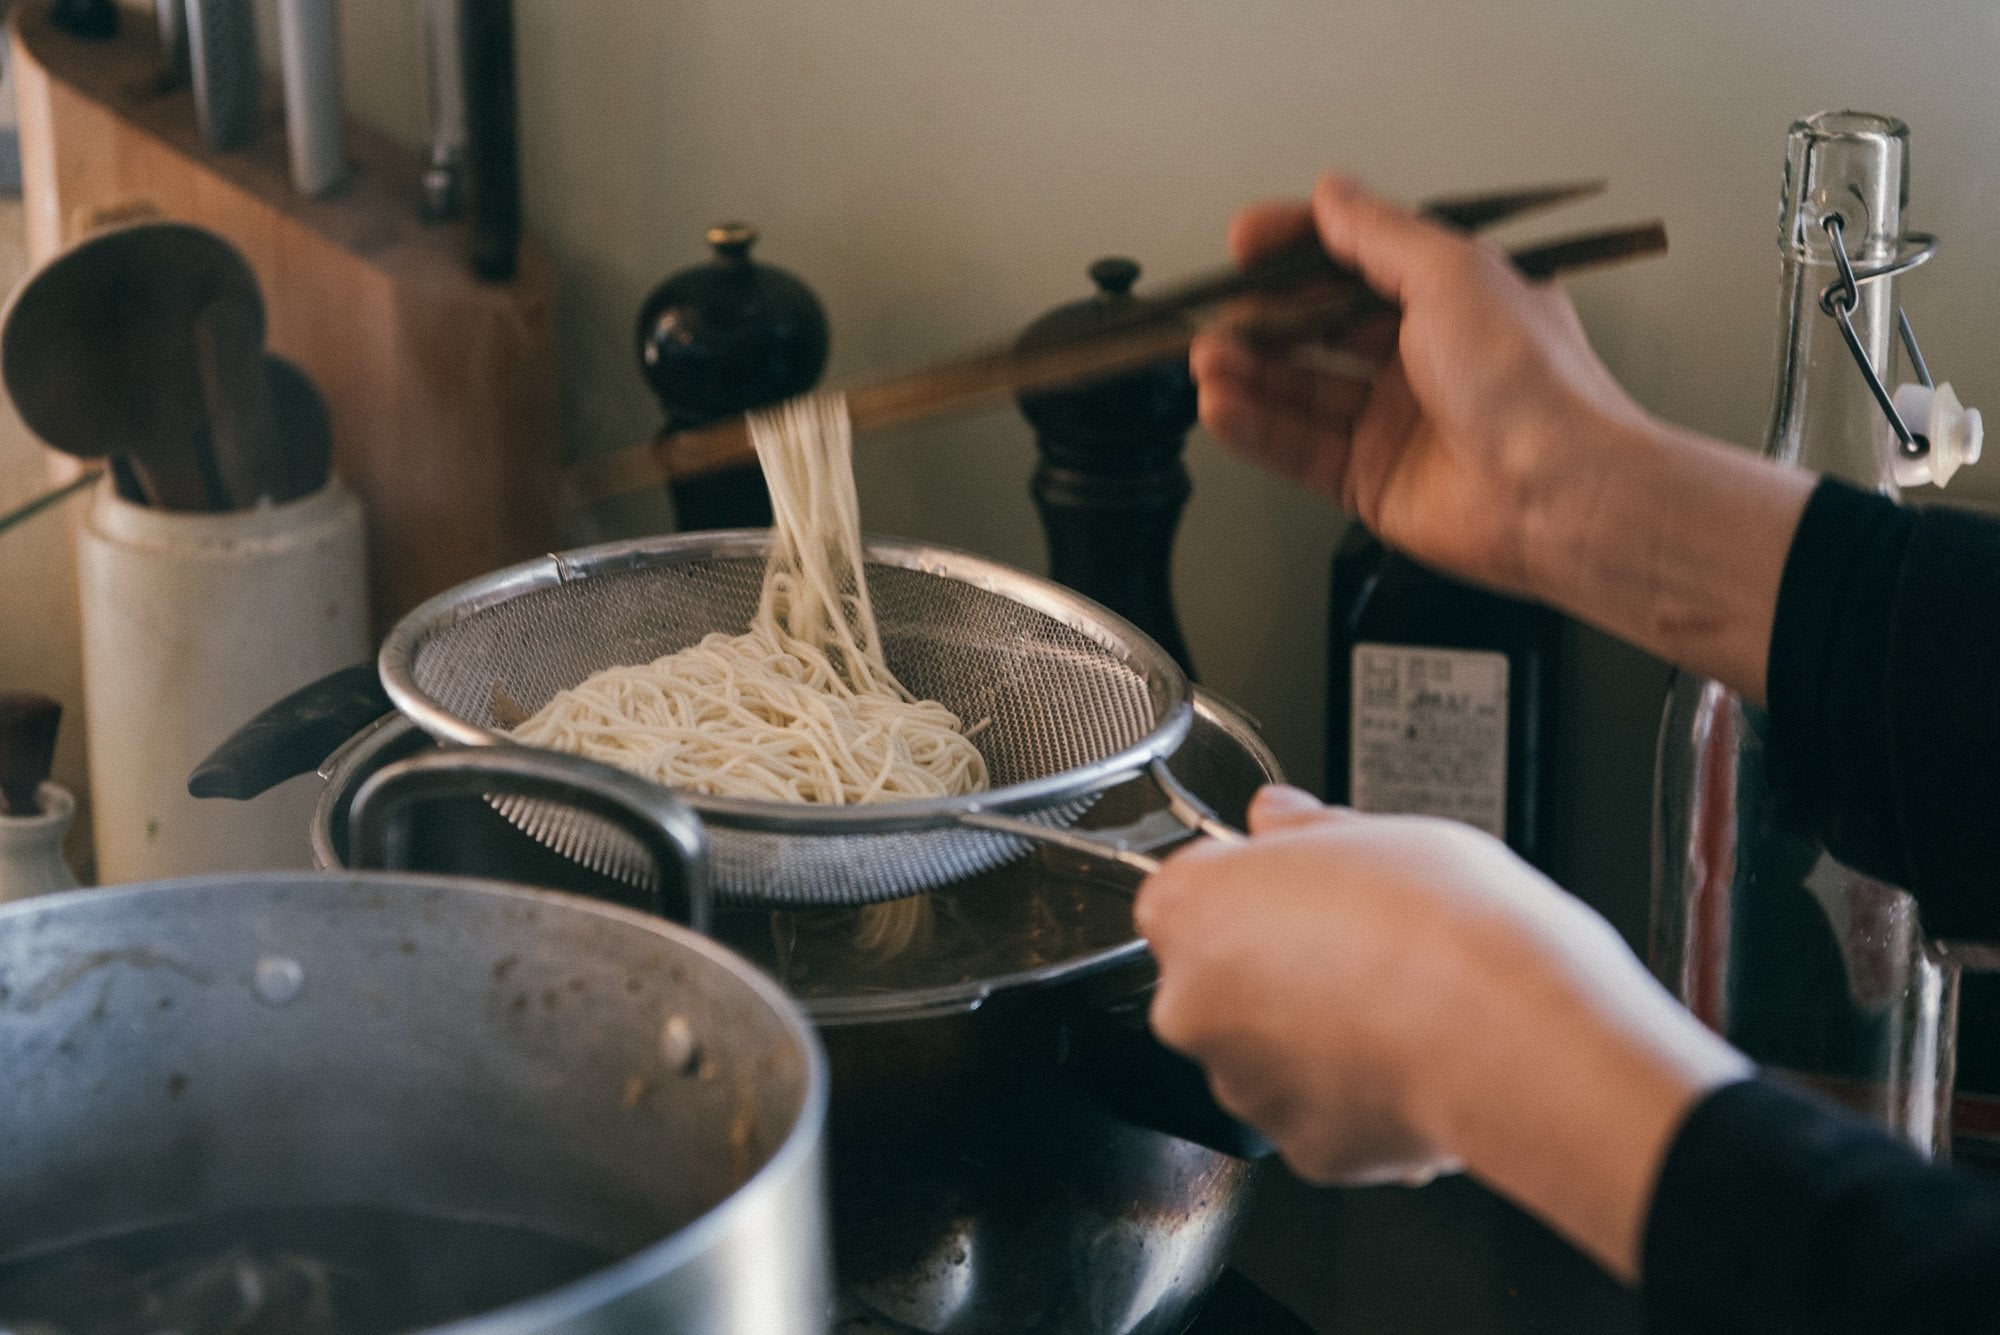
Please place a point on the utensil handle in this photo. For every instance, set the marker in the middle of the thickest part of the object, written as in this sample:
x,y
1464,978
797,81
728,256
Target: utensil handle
x,y
381,826
222,49
293,736
444,86
28,723
23,513
1130,845
236,392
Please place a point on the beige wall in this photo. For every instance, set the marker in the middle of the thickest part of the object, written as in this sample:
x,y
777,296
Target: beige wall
x,y
942,171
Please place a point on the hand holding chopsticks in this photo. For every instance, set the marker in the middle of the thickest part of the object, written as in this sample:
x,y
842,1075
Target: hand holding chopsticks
x,y
1297,293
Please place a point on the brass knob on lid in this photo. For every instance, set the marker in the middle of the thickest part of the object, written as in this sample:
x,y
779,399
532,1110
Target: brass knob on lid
x,y
732,240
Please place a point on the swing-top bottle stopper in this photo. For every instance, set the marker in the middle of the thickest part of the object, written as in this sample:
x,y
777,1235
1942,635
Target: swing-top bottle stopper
x,y
1947,436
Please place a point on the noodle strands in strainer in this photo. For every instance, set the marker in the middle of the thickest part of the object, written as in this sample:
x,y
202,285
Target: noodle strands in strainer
x,y
1075,699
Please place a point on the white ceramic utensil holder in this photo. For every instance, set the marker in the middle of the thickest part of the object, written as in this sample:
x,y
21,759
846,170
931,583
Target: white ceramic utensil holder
x,y
192,623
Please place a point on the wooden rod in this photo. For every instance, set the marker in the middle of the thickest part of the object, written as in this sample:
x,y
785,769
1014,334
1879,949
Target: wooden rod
x,y
1300,297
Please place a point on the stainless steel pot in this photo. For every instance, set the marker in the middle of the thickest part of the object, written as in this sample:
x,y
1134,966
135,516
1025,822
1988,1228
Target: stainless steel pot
x,y
1002,1134
240,1088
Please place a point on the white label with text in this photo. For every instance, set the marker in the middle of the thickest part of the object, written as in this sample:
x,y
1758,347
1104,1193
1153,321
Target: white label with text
x,y
1429,733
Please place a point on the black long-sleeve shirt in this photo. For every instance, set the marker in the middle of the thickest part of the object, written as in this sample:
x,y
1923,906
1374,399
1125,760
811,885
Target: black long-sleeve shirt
x,y
1774,1212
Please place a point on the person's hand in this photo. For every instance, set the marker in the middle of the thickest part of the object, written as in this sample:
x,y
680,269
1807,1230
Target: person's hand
x,y
1480,434
1299,969
1386,996
1475,402
1318,970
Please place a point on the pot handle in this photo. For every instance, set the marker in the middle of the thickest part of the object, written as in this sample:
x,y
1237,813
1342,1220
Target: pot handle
x,y
293,736
380,825
1120,1065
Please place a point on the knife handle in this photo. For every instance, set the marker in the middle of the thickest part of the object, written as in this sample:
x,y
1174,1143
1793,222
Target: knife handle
x,y
171,18
309,55
486,31
222,47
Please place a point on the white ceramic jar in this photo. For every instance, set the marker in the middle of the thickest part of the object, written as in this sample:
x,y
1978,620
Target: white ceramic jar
x,y
31,856
192,623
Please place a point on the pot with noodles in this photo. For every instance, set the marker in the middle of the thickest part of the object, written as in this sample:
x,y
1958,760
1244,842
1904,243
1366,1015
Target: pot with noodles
x,y
1007,1150
920,771
855,720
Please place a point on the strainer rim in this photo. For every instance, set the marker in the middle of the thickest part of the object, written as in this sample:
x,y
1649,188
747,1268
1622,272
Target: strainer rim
x,y
1168,689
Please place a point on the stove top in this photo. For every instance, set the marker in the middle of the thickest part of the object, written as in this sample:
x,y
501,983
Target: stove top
x,y
1236,1307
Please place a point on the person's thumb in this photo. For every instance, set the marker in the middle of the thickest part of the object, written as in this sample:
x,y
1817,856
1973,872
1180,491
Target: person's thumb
x,y
1388,243
1278,806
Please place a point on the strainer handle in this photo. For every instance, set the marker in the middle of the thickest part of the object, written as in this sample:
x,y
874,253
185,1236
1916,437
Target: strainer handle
x,y
381,825
1128,845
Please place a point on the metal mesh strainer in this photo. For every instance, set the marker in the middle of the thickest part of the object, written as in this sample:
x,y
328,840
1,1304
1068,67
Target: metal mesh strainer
x,y
1079,699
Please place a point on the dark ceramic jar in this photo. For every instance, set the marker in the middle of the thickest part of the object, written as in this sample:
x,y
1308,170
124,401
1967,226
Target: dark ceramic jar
x,y
721,338
730,334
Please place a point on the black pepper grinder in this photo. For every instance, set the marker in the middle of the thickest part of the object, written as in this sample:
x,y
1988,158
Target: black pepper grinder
x,y
721,338
1111,484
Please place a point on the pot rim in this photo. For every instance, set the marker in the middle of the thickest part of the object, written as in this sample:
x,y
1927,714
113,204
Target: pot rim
x,y
358,752
798,1154
959,998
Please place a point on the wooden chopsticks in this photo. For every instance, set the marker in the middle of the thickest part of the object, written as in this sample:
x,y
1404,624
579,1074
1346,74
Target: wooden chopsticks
x,y
1292,294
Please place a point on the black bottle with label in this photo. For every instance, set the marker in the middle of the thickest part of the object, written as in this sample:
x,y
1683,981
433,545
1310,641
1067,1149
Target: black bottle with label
x,y
1441,697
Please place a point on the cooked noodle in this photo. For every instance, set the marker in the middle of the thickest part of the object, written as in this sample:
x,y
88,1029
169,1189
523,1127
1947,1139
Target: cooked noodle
x,y
802,707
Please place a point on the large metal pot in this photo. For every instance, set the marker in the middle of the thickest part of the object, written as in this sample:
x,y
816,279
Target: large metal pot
x,y
1009,1152
231,1094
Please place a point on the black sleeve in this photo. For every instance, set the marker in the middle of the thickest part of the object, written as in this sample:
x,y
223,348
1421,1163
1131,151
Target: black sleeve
x,y
1775,1213
1884,689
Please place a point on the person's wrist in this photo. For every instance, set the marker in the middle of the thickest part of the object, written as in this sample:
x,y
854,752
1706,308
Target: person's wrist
x,y
1568,1092
1572,464
1488,967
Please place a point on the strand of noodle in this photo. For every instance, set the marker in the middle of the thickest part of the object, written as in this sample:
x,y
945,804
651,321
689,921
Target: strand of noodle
x,y
802,707
888,929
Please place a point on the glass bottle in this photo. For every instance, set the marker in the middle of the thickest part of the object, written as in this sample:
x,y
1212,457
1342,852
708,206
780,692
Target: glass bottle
x,y
1819,973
